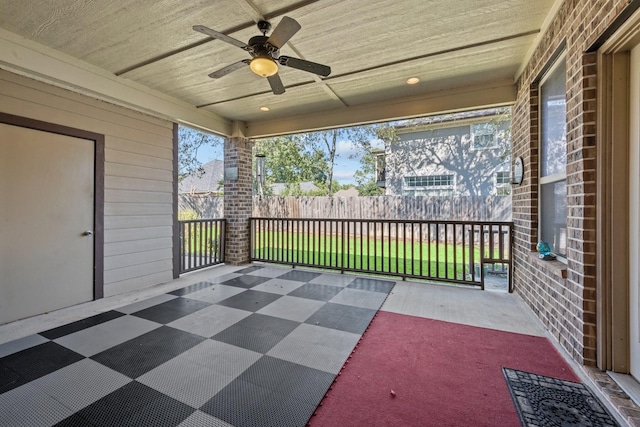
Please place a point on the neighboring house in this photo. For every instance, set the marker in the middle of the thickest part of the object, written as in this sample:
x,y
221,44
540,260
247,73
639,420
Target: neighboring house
x,y
207,183
279,188
461,154
349,192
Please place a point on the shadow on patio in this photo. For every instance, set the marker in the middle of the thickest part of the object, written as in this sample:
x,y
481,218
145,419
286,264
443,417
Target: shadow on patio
x,y
262,345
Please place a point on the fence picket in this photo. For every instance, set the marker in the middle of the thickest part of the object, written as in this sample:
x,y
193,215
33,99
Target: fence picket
x,y
490,208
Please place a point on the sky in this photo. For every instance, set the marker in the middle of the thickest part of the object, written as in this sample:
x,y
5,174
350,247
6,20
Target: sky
x,y
342,172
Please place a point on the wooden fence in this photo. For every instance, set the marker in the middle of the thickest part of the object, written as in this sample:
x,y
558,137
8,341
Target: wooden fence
x,y
489,208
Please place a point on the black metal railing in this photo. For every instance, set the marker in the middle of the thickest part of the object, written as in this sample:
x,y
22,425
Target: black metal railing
x,y
462,252
201,243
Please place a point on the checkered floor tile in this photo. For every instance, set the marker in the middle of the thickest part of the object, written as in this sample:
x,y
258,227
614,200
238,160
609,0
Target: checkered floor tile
x,y
256,347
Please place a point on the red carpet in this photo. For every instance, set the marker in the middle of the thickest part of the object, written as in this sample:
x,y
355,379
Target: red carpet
x,y
442,374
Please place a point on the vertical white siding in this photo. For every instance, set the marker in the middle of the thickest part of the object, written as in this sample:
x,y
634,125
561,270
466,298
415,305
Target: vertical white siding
x,y
138,177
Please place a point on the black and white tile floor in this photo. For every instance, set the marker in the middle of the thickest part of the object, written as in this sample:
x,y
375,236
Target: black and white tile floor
x,y
256,347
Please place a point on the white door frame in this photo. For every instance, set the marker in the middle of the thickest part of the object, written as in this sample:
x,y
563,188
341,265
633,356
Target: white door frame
x,y
98,212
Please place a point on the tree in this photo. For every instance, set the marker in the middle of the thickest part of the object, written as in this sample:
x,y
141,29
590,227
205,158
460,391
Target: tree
x,y
289,161
325,190
366,176
311,156
189,142
327,141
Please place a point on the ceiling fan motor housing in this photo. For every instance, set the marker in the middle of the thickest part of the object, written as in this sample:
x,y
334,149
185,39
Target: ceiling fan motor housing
x,y
264,27
260,47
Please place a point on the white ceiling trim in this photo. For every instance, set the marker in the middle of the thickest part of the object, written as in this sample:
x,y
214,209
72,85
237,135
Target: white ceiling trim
x,y
496,94
543,30
39,62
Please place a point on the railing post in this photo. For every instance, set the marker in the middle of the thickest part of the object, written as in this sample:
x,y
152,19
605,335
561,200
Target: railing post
x,y
512,242
238,194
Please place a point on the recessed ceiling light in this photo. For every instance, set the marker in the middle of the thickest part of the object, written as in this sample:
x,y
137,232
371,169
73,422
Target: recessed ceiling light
x,y
412,80
265,109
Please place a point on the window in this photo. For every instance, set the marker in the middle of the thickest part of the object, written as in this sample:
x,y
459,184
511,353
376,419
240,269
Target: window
x,y
429,185
553,159
503,183
503,177
429,181
483,136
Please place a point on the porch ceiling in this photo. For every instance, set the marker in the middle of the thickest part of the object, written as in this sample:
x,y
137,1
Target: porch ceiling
x,y
145,55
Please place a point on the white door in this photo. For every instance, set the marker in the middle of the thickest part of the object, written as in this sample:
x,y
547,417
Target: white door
x,y
46,208
634,214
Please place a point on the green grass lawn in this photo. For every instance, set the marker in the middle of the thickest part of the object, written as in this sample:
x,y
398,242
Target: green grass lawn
x,y
389,256
201,239
435,260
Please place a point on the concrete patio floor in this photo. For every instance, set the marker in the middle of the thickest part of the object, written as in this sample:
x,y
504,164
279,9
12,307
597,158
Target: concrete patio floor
x,y
489,309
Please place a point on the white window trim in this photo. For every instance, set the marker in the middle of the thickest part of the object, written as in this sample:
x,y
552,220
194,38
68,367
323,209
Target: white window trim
x,y
553,178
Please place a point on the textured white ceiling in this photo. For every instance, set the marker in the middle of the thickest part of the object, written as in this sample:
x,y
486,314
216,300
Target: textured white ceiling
x,y
372,46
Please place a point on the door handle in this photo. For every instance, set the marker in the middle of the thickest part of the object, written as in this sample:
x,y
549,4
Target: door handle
x,y
88,233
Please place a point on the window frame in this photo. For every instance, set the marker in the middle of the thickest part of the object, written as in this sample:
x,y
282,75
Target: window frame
x,y
506,185
557,177
493,133
410,190
435,177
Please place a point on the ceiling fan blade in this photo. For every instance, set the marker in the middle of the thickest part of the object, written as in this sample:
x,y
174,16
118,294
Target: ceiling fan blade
x,y
220,36
283,32
229,69
276,84
304,65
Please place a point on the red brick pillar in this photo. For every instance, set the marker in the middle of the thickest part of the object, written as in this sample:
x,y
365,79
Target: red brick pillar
x,y
238,199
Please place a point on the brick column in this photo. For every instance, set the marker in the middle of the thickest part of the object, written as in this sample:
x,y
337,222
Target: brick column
x,y
238,199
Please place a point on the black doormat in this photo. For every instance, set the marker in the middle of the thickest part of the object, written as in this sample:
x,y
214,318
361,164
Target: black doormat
x,y
545,401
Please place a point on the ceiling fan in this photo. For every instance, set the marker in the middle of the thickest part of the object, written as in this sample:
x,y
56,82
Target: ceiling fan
x,y
265,53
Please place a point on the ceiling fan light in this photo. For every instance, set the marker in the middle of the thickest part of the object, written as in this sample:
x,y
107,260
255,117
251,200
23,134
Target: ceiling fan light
x,y
263,66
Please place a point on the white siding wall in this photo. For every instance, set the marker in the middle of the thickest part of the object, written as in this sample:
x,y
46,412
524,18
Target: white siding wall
x,y
444,151
138,177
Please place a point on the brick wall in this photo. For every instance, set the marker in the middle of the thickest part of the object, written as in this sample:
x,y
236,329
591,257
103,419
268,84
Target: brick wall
x,y
238,200
563,296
